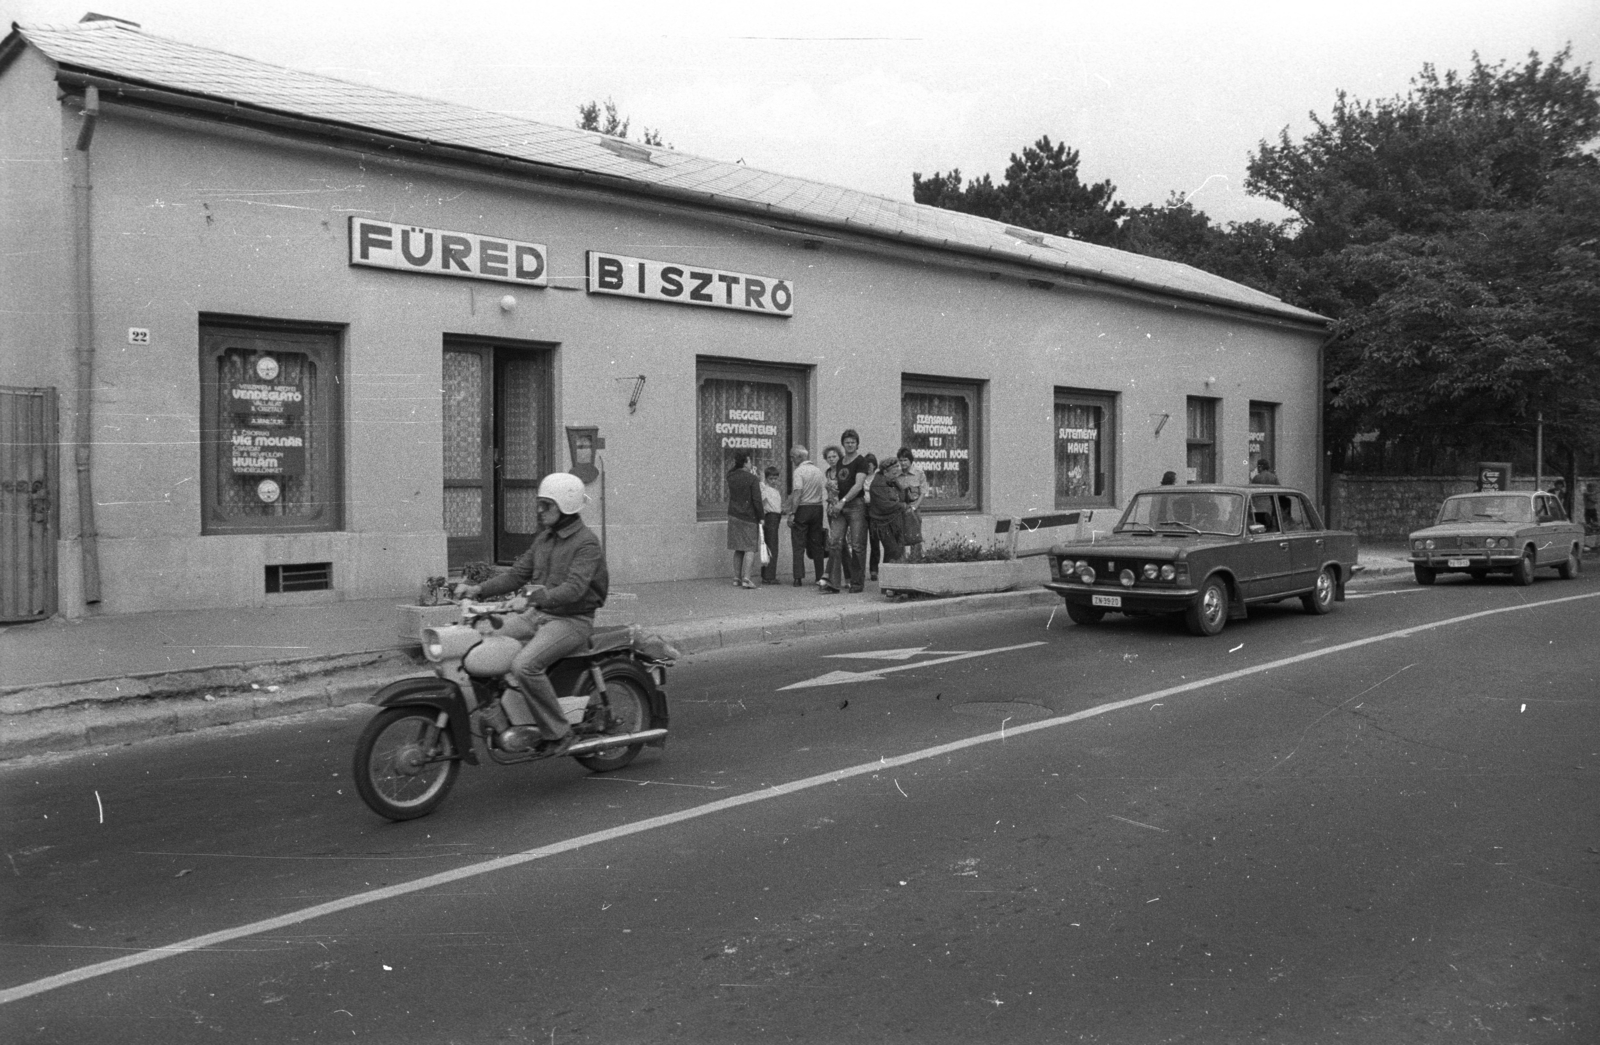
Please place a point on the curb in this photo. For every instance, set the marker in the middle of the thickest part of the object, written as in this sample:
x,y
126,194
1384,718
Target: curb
x,y
96,713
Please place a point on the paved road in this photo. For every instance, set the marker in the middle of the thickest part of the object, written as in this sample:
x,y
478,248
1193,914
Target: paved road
x,y
1308,829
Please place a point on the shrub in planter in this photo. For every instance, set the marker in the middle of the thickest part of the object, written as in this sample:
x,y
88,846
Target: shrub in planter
x,y
956,566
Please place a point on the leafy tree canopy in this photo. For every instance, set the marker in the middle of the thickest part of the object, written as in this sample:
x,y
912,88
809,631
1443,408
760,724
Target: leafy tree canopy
x,y
1453,233
1042,191
604,117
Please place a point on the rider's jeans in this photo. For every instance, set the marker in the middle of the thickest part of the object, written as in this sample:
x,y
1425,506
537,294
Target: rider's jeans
x,y
553,638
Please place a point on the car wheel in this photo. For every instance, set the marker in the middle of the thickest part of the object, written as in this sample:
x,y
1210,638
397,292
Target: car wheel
x,y
1424,574
1319,600
1209,612
1522,574
1081,614
1572,569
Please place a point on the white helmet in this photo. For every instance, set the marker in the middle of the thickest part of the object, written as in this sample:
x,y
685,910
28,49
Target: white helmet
x,y
565,489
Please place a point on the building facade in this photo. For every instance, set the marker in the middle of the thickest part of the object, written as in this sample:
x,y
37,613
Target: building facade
x,y
311,340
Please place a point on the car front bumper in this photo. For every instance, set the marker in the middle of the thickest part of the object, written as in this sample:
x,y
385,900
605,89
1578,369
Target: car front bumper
x,y
1464,559
1135,600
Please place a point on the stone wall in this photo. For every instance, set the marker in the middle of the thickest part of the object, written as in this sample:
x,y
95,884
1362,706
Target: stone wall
x,y
1385,509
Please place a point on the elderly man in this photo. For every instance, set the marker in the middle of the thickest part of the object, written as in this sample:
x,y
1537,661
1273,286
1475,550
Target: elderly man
x,y
807,528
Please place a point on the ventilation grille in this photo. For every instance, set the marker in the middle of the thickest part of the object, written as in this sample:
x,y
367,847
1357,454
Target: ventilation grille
x,y
299,576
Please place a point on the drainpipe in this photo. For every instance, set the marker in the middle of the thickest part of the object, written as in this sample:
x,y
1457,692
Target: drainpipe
x,y
83,426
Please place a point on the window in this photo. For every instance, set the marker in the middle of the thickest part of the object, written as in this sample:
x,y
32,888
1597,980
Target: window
x,y
1085,441
1263,434
939,421
1202,440
1296,514
269,428
744,406
1263,519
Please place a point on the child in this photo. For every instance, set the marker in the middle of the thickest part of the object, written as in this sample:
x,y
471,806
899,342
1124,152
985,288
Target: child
x,y
772,513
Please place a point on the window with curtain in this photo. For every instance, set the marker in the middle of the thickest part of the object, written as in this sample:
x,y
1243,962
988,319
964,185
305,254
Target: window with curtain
x,y
1085,441
939,421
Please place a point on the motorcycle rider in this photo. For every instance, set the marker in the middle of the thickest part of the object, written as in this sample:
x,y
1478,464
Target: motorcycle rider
x,y
566,568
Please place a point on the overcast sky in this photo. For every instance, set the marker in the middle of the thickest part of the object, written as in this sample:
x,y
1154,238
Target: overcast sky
x,y
1156,96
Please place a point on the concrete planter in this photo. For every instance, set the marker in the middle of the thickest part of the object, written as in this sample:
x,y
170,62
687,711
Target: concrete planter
x,y
962,578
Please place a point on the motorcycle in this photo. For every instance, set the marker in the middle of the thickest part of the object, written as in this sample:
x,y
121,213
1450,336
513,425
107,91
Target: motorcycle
x,y
408,756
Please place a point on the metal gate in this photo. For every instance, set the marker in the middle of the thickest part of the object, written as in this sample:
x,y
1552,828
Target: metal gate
x,y
28,501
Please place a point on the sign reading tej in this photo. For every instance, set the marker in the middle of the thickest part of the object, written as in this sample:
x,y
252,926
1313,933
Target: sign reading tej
x,y
439,252
680,284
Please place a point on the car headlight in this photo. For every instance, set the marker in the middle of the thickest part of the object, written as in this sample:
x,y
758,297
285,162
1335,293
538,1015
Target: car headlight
x,y
1150,571
1125,578
1085,573
1427,544
1169,572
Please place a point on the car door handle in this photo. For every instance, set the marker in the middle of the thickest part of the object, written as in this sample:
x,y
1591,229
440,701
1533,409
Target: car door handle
x,y
1283,544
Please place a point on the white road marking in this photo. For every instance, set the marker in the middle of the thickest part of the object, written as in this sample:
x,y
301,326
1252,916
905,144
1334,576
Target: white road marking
x,y
610,834
892,654
836,678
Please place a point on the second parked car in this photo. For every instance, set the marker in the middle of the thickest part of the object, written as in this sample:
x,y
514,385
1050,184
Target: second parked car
x,y
1512,531
1206,552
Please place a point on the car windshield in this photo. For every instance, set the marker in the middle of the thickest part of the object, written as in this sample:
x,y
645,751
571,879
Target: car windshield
x,y
1183,511
1486,508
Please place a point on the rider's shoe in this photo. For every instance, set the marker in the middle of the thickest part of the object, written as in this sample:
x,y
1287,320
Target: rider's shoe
x,y
519,738
558,746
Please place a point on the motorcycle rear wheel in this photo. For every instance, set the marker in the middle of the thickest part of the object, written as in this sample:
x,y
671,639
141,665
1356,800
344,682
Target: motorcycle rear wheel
x,y
404,765
627,694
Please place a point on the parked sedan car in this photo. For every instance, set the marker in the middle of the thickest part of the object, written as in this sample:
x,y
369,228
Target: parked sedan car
x,y
1206,552
1513,532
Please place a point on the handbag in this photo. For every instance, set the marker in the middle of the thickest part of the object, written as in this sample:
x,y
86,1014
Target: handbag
x,y
766,554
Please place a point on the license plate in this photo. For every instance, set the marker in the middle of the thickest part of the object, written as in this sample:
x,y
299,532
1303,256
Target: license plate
x,y
1114,601
1458,563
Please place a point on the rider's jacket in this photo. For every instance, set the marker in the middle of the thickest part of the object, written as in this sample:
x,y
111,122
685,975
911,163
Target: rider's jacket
x,y
568,561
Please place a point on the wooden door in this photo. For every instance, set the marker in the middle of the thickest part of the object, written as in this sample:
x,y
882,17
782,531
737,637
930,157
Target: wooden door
x,y
28,503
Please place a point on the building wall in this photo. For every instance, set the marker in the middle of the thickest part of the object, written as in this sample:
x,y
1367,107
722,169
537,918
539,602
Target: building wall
x,y
192,220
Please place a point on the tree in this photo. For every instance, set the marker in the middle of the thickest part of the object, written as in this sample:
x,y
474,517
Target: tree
x,y
604,118
1451,233
1042,192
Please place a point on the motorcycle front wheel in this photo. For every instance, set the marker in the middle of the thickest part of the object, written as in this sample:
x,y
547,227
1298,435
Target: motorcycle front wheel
x,y
627,695
404,764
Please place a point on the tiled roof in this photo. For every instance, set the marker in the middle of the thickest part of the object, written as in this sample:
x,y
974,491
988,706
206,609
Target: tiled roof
x,y
128,55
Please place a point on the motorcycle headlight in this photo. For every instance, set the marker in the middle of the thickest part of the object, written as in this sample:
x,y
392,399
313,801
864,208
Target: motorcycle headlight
x,y
432,645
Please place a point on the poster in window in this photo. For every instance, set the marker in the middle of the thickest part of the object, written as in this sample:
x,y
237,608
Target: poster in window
x,y
937,427
739,415
266,410
1080,473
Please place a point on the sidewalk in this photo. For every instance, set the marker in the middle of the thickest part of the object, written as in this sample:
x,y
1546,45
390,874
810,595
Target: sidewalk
x,y
97,681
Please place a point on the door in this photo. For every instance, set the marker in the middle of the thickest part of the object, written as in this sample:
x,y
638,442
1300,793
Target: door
x,y
28,500
497,446
1267,551
1307,542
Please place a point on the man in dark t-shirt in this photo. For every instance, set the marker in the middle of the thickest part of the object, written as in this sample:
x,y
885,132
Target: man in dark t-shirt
x,y
853,503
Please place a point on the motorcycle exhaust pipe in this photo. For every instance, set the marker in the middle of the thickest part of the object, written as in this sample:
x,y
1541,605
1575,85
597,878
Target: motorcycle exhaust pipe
x,y
583,747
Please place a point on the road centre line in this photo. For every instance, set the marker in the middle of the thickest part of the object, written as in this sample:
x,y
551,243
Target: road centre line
x,y
196,943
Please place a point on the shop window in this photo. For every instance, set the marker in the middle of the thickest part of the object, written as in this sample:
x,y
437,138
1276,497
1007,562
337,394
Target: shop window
x,y
1085,439
1202,440
269,429
1263,434
745,406
939,421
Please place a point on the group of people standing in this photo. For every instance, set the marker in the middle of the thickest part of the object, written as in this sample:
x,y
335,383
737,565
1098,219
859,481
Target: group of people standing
x,y
845,517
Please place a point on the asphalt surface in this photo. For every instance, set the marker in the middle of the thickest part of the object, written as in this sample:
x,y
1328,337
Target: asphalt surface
x,y
1391,841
